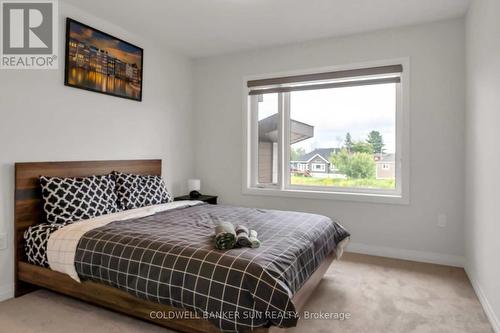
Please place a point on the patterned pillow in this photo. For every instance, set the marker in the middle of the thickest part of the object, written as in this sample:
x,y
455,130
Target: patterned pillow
x,y
36,238
74,199
135,191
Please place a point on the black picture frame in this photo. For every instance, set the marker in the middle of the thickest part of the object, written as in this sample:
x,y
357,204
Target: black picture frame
x,y
69,66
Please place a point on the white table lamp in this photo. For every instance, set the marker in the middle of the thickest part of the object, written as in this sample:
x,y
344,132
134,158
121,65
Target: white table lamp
x,y
194,186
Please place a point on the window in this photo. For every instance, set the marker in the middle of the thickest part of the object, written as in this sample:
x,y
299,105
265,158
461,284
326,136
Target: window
x,y
327,133
318,167
266,118
301,167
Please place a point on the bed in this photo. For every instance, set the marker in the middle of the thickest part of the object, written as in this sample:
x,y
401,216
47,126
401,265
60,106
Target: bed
x,y
286,274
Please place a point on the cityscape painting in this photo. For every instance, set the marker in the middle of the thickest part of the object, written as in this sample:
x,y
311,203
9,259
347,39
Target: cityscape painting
x,y
102,63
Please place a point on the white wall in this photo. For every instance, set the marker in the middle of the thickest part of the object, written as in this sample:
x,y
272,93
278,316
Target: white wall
x,y
437,136
42,120
483,153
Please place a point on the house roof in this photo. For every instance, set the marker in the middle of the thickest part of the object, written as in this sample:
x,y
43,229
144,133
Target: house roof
x,y
299,131
324,153
386,158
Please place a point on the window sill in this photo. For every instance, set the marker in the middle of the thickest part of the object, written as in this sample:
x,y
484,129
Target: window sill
x,y
341,196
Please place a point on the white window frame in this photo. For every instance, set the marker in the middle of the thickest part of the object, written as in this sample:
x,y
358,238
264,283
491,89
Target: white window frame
x,y
253,132
321,169
283,188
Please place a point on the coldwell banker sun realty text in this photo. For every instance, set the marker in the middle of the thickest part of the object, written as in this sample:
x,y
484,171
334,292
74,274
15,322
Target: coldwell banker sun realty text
x,y
29,34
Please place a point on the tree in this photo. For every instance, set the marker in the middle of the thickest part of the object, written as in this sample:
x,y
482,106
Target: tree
x,y
348,142
341,160
362,165
376,141
357,165
295,153
362,147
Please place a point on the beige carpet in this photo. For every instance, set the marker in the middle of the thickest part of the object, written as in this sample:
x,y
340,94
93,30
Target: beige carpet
x,y
379,294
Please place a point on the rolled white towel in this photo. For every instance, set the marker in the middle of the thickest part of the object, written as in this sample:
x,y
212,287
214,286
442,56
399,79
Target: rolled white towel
x,y
255,243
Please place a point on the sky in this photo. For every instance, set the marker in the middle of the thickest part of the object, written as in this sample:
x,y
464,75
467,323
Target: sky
x,y
123,51
334,112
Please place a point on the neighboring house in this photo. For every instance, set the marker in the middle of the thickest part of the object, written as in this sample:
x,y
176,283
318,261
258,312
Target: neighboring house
x,y
386,166
268,145
317,162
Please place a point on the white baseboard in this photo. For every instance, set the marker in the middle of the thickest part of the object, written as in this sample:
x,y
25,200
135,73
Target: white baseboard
x,y
6,292
492,316
420,256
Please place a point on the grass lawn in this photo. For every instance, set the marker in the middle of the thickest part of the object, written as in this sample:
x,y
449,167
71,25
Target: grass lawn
x,y
363,183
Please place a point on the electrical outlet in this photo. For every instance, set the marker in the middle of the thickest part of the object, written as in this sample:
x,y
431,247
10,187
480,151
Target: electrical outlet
x,y
3,241
442,221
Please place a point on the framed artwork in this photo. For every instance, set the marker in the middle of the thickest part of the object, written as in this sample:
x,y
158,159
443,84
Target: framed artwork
x,y
99,62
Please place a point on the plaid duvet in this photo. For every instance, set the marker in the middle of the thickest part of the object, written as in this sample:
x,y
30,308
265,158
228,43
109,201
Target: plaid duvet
x,y
169,258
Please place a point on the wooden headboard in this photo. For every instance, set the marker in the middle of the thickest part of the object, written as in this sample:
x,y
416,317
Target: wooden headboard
x,y
28,208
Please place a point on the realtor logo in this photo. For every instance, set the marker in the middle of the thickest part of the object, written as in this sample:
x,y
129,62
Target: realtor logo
x,y
29,34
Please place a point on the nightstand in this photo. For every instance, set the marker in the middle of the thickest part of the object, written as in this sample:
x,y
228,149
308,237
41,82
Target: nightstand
x,y
211,199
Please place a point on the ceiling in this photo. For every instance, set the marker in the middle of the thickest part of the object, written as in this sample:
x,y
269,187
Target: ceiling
x,y
200,28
